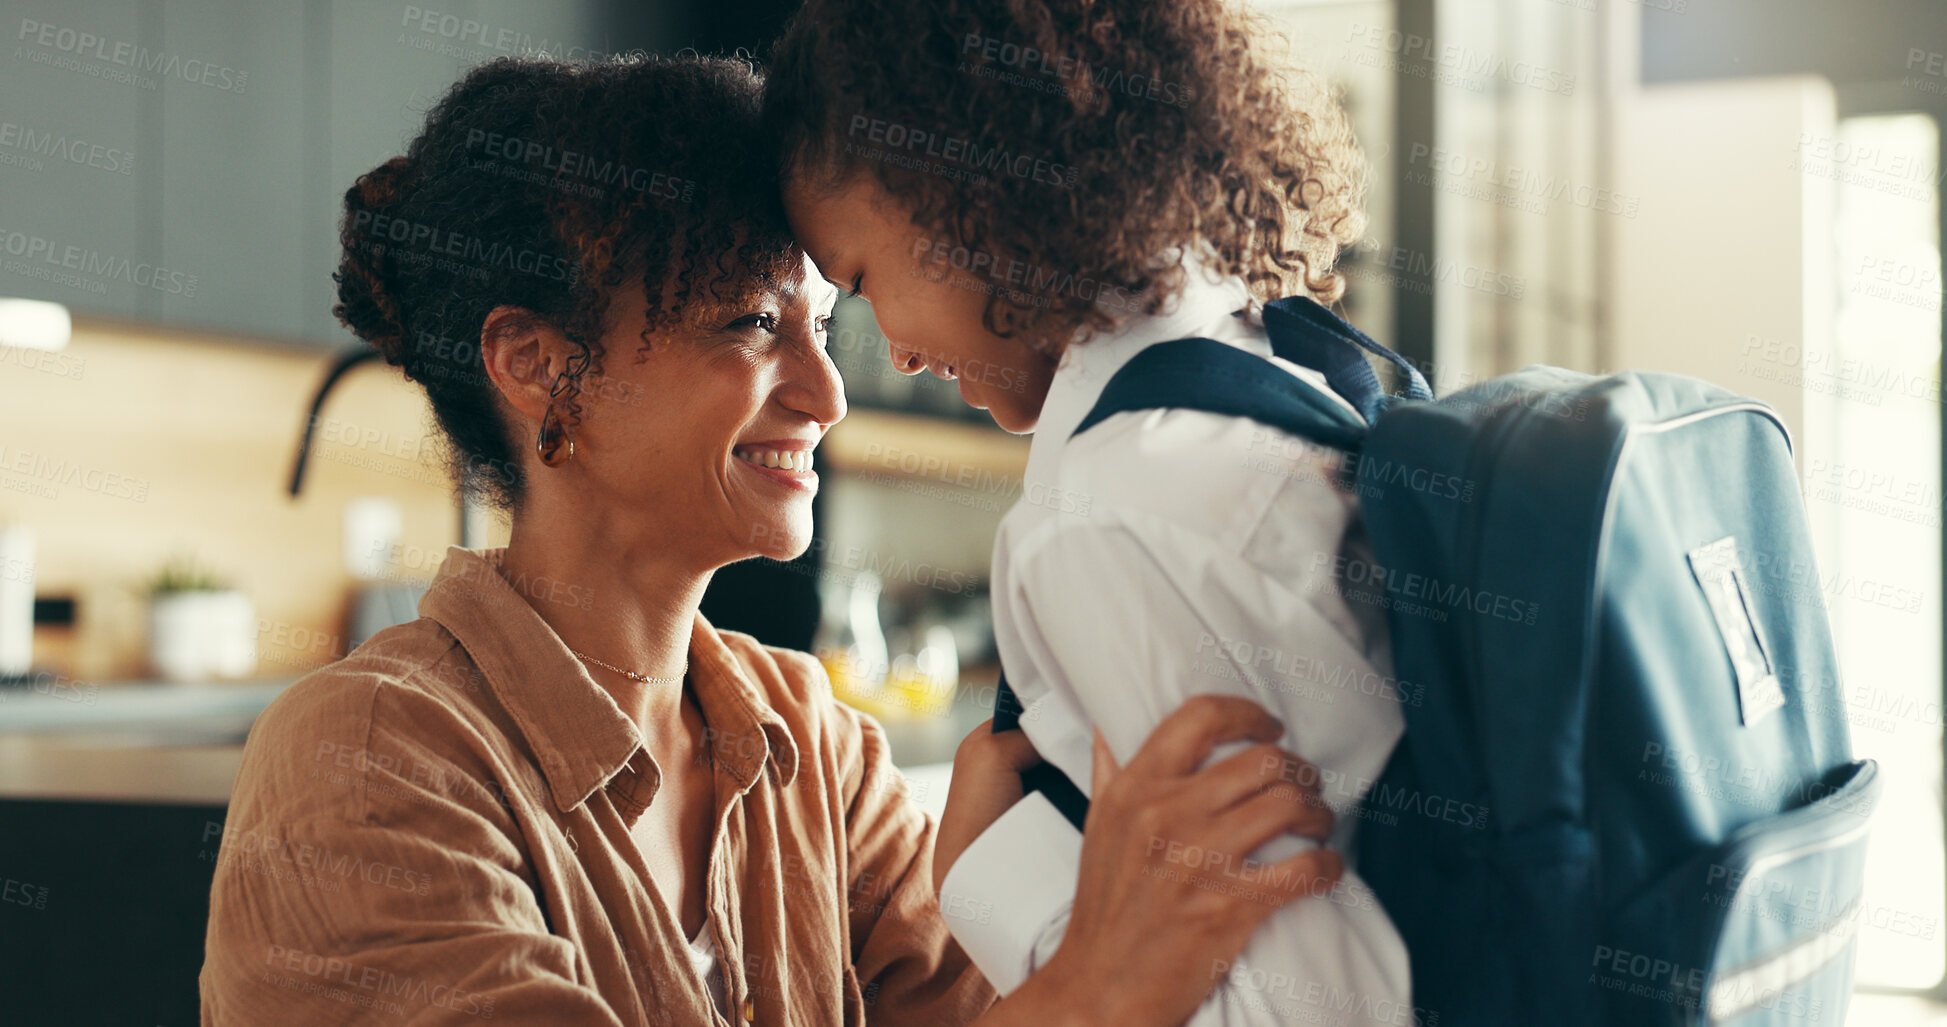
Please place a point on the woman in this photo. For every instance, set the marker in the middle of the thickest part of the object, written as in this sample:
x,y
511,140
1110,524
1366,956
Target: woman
x,y
561,796
1031,195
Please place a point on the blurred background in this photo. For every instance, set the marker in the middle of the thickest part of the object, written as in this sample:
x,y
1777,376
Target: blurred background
x,y
1744,190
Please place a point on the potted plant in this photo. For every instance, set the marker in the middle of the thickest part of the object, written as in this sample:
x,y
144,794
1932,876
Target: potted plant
x,y
200,628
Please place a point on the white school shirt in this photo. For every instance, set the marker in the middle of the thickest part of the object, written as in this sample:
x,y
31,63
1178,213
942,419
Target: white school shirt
x,y
1160,555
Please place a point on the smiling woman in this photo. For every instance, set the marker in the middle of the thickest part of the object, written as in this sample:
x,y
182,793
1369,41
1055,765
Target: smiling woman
x,y
561,795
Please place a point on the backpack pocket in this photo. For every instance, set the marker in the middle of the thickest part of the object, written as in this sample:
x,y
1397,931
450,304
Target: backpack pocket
x,y
1756,931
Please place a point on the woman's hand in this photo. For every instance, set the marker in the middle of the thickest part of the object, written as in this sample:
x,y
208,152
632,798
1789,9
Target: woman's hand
x,y
986,783
1164,892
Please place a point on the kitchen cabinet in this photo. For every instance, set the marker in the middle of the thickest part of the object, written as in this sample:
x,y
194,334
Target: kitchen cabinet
x,y
223,137
232,167
75,231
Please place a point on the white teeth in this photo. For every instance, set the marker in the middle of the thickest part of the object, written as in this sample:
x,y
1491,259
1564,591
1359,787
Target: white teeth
x,y
785,460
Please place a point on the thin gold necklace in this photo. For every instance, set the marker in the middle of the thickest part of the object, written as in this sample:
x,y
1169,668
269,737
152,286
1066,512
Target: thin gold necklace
x,y
644,678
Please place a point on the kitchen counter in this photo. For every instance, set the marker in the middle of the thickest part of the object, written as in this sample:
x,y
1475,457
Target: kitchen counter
x,y
178,744
95,768
161,709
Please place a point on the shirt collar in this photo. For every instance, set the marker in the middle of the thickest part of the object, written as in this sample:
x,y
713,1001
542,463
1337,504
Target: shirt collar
x,y
1086,368
579,736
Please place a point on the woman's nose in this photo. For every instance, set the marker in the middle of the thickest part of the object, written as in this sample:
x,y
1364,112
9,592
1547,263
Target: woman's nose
x,y
814,388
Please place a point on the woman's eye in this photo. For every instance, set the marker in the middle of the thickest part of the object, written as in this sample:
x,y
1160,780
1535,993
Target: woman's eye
x,y
823,324
761,322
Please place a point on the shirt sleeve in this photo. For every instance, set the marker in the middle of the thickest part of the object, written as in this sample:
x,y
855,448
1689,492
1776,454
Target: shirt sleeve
x,y
1108,612
909,968
379,882
1008,896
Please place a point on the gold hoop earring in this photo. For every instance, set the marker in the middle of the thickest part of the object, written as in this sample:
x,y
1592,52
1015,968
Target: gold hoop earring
x,y
554,444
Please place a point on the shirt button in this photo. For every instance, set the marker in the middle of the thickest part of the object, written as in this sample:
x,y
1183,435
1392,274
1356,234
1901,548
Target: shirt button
x,y
749,1011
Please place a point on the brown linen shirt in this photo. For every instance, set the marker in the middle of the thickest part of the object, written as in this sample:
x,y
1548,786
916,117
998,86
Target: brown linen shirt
x,y
435,830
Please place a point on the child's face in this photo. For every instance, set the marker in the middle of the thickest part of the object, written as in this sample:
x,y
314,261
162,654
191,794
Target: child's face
x,y
927,295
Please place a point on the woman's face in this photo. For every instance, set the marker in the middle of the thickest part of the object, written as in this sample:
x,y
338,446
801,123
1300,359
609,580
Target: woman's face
x,y
702,442
928,296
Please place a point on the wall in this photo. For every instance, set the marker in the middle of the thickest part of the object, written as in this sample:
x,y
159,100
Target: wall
x,y
133,446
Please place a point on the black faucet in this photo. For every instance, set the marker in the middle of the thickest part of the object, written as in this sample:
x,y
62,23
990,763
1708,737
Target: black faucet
x,y
347,359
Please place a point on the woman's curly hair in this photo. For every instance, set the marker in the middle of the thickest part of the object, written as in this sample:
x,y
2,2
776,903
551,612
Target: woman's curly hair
x,y
1078,137
546,186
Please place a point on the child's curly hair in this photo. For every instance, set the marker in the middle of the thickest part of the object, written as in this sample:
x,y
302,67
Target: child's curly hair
x,y
546,186
1078,137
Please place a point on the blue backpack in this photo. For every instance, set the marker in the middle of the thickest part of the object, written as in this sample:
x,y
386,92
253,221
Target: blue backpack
x,y
1625,793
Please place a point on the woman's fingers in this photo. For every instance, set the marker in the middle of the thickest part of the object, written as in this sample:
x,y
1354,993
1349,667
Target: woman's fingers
x,y
1185,738
1258,768
1266,815
1103,765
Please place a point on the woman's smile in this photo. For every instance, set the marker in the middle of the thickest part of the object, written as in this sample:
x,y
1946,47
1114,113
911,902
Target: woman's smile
x,y
785,461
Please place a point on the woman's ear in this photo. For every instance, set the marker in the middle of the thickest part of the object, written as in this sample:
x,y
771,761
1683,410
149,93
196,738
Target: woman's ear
x,y
523,354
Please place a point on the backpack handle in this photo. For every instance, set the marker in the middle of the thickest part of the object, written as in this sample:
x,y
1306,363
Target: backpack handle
x,y
1308,335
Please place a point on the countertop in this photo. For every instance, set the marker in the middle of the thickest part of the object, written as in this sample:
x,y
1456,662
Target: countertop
x,y
137,742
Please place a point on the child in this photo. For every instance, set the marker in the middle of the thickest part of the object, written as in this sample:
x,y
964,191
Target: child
x,y
1030,194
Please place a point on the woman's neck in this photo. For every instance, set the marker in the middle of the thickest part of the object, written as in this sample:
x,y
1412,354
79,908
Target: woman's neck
x,y
623,602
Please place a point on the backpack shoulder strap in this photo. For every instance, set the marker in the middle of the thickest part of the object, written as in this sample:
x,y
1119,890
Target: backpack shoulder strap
x,y
1045,778
1309,335
1203,374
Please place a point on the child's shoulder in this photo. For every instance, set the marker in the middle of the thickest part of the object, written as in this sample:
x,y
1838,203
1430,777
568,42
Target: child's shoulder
x,y
1211,474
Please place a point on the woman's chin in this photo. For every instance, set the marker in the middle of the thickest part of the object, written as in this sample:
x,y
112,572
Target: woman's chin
x,y
781,538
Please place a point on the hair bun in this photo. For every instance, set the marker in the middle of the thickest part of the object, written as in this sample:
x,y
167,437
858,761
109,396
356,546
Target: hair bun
x,y
367,300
